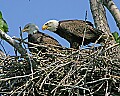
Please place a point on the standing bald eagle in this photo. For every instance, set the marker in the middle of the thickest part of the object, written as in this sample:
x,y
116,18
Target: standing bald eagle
x,y
36,37
73,31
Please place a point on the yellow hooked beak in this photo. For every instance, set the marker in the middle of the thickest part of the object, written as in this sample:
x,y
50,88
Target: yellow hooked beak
x,y
24,30
44,27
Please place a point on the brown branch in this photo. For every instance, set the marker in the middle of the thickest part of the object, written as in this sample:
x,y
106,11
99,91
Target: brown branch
x,y
110,5
99,16
12,42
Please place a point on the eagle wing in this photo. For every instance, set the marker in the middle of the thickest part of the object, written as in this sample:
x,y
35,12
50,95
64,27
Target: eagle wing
x,y
49,40
77,28
41,38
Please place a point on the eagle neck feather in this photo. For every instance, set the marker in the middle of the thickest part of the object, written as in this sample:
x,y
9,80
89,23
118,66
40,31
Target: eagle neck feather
x,y
33,32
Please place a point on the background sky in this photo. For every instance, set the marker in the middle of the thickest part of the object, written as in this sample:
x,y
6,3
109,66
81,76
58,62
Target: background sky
x,y
20,12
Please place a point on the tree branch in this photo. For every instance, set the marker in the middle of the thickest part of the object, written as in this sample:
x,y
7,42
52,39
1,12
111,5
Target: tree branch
x,y
99,16
12,42
110,5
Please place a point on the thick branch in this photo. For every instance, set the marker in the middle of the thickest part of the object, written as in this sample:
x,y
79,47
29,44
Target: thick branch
x,y
99,15
12,42
110,5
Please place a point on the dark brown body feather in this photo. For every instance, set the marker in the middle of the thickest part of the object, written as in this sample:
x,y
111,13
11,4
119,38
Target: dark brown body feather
x,y
73,31
40,38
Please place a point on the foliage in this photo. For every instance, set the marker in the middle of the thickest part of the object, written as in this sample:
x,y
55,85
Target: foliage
x,y
3,24
116,37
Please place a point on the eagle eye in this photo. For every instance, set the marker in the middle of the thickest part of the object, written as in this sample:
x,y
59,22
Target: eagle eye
x,y
46,24
26,27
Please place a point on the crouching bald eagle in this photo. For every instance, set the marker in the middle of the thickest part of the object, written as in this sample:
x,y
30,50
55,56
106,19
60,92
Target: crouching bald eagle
x,y
73,31
36,37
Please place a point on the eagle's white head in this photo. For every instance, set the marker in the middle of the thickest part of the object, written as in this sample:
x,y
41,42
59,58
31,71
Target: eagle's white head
x,y
30,28
51,25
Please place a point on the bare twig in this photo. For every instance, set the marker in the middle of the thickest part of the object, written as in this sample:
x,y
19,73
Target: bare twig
x,y
84,30
62,73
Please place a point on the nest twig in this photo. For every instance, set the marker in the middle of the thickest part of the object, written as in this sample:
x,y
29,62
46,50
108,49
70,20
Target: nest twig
x,y
59,72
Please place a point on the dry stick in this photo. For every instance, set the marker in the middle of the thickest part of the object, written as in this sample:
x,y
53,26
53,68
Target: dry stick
x,y
12,42
98,89
22,37
70,56
75,87
96,41
101,52
27,85
16,77
53,71
16,90
33,83
84,29
89,56
113,76
30,89
65,77
83,35
83,41
5,93
91,82
117,44
3,60
3,48
58,62
31,65
86,74
92,89
83,78
106,90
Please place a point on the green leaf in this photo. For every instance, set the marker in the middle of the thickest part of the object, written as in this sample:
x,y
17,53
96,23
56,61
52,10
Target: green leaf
x,y
5,26
0,15
118,40
115,35
1,24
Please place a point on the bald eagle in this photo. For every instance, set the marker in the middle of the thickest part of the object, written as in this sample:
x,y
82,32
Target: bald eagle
x,y
37,37
73,31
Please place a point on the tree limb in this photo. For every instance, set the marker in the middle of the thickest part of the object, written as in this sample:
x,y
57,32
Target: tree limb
x,y
12,42
99,16
110,5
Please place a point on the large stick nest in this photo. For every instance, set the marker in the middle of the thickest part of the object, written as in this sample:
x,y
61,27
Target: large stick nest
x,y
62,72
